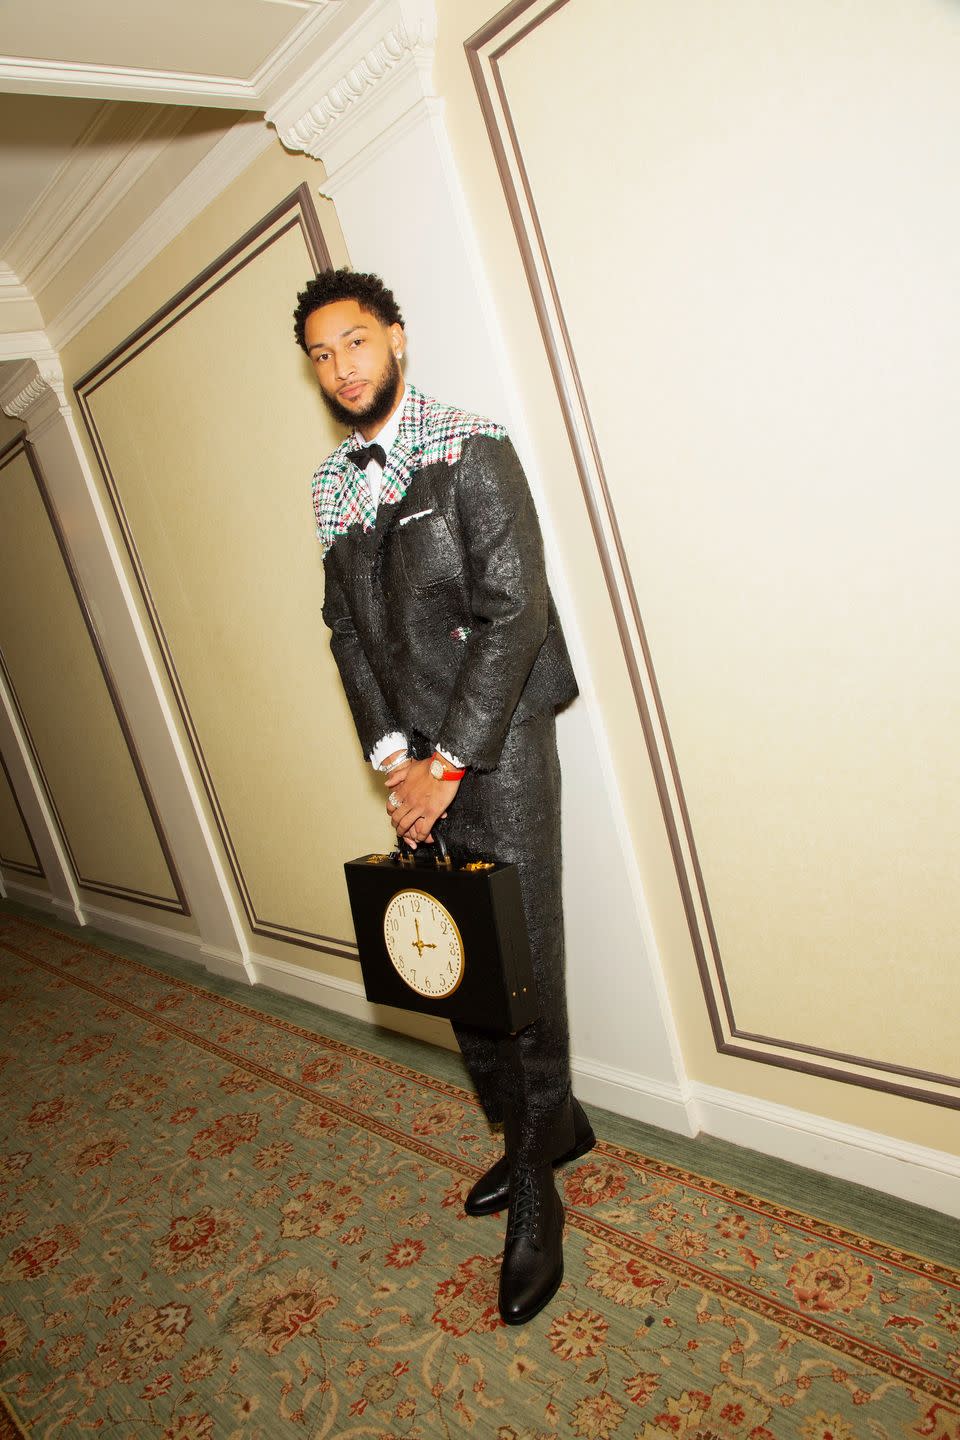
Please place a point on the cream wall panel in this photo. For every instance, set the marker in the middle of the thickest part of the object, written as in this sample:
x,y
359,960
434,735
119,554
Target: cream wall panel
x,y
212,432
16,851
779,343
60,688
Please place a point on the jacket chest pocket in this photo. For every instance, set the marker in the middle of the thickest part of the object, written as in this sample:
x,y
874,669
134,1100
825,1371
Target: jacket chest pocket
x,y
428,552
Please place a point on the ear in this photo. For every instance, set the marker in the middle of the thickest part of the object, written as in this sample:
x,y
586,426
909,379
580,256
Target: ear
x,y
397,338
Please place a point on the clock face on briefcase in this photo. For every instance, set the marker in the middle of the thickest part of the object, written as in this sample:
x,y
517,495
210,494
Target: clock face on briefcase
x,y
423,943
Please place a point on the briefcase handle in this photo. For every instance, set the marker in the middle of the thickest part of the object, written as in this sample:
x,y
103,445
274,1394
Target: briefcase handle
x,y
424,854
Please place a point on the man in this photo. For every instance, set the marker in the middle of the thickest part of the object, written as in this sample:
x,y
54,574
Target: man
x,y
453,662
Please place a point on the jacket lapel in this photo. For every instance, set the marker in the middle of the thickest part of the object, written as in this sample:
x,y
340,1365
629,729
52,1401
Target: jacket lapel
x,y
365,526
401,463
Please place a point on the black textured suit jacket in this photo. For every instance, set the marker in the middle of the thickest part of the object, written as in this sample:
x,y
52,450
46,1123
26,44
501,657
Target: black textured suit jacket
x,y
441,617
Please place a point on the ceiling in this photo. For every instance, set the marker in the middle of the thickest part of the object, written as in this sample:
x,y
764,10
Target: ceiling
x,y
218,37
91,98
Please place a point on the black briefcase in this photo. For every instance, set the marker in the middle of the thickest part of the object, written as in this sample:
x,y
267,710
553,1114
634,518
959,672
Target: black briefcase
x,y
443,939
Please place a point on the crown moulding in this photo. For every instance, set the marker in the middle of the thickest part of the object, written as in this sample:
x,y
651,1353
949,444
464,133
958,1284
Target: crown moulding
x,y
122,144
228,159
35,391
376,65
18,309
381,67
123,82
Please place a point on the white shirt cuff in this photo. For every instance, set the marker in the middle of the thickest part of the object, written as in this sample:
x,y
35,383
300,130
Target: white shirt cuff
x,y
451,759
386,746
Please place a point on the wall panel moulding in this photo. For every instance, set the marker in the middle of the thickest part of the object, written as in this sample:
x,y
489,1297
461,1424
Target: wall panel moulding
x,y
503,57
217,696
85,760
21,863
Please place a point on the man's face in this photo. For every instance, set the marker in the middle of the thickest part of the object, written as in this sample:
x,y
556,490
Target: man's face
x,y
356,358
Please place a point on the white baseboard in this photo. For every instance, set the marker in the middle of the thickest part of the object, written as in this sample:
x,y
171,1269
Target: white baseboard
x,y
346,997
639,1097
67,911
16,890
130,927
230,964
41,900
865,1157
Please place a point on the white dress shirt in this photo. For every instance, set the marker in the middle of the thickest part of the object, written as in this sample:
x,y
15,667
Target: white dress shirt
x,y
385,436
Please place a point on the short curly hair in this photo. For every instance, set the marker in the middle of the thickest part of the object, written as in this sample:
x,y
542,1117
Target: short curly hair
x,y
369,292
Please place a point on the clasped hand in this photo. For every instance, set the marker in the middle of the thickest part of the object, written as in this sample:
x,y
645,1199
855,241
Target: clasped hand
x,y
423,801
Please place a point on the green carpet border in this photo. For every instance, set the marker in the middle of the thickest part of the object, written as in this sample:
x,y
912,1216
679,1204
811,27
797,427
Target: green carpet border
x,y
870,1212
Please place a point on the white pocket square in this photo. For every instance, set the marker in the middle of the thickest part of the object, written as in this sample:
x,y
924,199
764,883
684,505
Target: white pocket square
x,y
417,515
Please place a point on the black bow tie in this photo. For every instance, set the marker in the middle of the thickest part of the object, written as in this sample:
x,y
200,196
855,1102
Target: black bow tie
x,y
362,456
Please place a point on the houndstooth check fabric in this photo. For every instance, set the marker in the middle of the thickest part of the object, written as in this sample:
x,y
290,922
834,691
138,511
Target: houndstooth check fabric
x,y
430,433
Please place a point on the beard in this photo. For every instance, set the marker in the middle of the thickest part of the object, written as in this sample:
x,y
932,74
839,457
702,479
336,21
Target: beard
x,y
378,408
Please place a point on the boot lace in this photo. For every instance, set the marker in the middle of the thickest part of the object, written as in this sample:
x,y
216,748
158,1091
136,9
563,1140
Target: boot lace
x,y
524,1207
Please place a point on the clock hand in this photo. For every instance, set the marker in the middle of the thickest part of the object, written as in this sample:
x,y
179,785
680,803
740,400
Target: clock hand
x,y
420,943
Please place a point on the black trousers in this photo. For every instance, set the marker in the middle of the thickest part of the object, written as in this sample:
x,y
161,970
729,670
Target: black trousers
x,y
512,814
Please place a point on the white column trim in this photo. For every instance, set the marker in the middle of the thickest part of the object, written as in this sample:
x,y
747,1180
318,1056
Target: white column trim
x,y
35,391
355,162
45,831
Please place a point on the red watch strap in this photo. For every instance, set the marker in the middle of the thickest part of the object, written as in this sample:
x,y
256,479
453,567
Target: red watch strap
x,y
449,772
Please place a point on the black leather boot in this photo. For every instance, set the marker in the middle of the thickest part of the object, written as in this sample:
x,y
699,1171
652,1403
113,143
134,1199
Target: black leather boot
x,y
532,1266
491,1192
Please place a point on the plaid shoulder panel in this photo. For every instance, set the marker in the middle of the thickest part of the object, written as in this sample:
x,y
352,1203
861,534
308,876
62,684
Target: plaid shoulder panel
x,y
435,432
430,433
341,497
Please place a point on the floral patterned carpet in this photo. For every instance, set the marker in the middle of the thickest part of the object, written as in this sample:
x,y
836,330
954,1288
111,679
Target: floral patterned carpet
x,y
217,1223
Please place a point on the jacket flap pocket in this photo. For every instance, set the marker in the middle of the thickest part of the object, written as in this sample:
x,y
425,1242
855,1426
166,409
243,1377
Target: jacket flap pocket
x,y
429,552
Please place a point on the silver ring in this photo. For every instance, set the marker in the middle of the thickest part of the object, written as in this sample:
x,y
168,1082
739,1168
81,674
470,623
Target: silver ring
x,y
393,799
